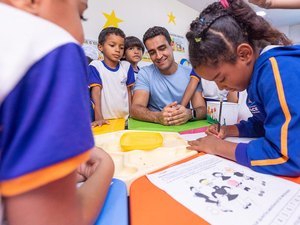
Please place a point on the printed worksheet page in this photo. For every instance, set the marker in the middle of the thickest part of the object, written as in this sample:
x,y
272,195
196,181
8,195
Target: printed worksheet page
x,y
224,192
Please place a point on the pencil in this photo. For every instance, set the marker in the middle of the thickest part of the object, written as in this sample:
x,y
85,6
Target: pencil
x,y
220,114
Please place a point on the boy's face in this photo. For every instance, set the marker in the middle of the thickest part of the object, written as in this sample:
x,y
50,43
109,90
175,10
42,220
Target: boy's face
x,y
64,13
134,54
161,54
112,48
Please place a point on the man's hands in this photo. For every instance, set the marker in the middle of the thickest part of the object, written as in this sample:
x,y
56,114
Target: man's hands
x,y
174,114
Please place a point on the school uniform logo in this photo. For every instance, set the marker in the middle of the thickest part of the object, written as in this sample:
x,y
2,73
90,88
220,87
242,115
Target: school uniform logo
x,y
123,82
256,110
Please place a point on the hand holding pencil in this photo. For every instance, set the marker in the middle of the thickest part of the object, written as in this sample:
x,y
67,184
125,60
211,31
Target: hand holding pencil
x,y
220,113
216,130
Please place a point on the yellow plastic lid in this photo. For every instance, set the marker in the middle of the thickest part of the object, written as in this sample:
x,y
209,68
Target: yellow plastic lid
x,y
140,141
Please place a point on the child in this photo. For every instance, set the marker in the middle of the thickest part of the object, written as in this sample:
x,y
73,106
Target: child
x,y
44,136
239,50
111,79
133,52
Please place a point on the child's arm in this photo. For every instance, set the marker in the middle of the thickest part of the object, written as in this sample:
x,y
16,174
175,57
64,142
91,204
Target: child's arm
x,y
96,97
130,82
129,91
215,146
189,91
60,202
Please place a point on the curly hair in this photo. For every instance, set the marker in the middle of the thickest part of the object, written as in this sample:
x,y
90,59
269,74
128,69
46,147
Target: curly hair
x,y
215,35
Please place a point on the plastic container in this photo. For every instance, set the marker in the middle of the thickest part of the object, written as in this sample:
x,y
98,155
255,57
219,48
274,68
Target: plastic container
x,y
140,140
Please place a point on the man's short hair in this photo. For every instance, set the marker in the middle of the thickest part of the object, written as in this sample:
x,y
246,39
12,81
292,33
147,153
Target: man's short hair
x,y
155,31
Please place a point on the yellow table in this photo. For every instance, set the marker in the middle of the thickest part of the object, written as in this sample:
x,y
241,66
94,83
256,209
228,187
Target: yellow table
x,y
115,125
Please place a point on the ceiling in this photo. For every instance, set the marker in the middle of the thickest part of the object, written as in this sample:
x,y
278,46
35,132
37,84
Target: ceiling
x,y
277,17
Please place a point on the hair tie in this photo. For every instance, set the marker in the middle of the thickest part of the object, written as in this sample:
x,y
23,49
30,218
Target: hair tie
x,y
224,3
197,40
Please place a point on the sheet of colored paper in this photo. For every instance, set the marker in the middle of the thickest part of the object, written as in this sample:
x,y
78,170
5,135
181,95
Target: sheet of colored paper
x,y
141,125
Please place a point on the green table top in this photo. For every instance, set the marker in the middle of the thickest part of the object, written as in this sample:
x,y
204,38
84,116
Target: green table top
x,y
141,125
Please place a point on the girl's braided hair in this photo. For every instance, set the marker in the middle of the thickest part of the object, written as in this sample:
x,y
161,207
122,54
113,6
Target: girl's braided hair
x,y
216,33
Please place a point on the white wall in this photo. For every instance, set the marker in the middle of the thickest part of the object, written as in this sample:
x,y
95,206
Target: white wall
x,y
138,16
292,32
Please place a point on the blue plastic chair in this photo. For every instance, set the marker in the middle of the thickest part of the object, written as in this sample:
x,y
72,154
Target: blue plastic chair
x,y
115,209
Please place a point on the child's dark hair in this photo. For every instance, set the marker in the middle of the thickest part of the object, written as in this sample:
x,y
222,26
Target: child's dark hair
x,y
132,41
215,35
155,31
107,31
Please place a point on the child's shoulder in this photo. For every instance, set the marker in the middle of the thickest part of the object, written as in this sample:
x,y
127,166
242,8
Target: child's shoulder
x,y
124,64
185,68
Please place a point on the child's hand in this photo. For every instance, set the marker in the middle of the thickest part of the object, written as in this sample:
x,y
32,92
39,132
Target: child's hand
x,y
87,169
208,144
99,123
213,130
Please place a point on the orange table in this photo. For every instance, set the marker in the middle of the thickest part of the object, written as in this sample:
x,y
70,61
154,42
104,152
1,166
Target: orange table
x,y
151,206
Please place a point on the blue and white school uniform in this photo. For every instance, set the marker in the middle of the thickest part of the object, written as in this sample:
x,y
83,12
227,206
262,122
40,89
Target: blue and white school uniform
x,y
44,104
114,83
274,101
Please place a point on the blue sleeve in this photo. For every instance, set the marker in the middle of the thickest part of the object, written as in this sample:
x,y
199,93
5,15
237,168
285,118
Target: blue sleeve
x,y
194,75
251,128
130,77
142,81
94,76
277,152
46,116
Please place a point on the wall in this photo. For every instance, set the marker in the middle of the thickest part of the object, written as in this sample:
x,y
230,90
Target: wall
x,y
292,32
137,16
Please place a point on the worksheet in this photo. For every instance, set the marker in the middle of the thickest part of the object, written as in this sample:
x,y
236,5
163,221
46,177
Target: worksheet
x,y
224,192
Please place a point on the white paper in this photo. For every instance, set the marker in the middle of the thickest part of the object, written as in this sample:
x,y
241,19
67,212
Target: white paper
x,y
224,192
194,136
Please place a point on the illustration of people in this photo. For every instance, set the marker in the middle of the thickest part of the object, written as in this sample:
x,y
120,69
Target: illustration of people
x,y
207,186
223,192
242,182
220,175
231,182
239,174
198,193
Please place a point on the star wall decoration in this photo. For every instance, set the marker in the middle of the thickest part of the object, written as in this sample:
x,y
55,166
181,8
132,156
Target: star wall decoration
x,y
171,18
112,20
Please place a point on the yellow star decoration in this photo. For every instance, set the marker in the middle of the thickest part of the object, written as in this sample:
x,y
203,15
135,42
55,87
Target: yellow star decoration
x,y
112,20
171,18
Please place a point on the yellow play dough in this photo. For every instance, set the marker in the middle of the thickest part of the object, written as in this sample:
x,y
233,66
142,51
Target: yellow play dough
x,y
140,141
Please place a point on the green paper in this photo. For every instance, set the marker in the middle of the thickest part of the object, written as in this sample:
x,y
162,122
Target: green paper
x,y
141,125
